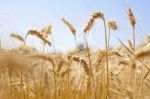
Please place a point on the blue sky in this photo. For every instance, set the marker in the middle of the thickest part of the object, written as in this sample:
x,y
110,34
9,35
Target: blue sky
x,y
18,16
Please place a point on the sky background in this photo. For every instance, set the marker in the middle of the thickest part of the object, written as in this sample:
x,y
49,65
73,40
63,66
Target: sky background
x,y
18,16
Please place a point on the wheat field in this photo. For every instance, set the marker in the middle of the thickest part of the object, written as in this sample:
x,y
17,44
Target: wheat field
x,y
82,73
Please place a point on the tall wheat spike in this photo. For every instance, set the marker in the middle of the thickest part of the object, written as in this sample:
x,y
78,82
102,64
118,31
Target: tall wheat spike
x,y
72,29
69,25
133,23
95,16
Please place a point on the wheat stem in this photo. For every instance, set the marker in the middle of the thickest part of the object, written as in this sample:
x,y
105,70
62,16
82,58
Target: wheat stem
x,y
108,38
106,54
10,80
68,81
55,81
53,43
90,64
75,39
42,70
133,29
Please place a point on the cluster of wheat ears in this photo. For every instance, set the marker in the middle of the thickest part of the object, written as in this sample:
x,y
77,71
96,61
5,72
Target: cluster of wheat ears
x,y
119,73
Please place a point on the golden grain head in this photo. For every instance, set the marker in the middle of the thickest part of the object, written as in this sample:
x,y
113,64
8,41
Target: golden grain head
x,y
47,30
39,35
96,15
17,36
112,25
83,62
33,32
89,25
70,26
131,18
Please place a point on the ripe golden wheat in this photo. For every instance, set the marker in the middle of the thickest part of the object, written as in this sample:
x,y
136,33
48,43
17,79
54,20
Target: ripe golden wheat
x,y
111,73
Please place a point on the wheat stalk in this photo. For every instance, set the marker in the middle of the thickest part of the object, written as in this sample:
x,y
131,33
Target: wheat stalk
x,y
130,44
98,15
106,48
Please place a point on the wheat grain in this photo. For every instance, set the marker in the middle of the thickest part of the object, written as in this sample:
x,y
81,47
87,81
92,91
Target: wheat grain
x,y
97,14
69,25
17,36
112,25
39,35
89,25
131,18
132,22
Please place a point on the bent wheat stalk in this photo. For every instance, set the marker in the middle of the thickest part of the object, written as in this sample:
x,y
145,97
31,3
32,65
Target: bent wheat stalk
x,y
99,15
